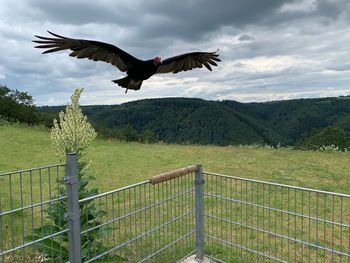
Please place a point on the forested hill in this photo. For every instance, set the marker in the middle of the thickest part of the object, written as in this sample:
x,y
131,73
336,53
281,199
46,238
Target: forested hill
x,y
184,120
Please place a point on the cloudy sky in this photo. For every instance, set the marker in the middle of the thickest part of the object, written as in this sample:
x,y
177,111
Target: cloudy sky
x,y
270,49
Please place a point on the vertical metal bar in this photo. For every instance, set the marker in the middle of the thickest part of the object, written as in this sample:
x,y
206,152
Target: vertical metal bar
x,y
108,222
22,210
31,199
150,221
1,237
348,237
282,221
324,226
51,220
341,227
295,225
302,224
216,212
183,188
124,213
73,210
169,206
309,232
220,214
275,221
333,228
136,246
59,209
288,222
160,214
188,219
228,225
269,221
231,216
119,209
164,232
174,213
252,190
263,219
316,252
241,218
130,219
142,216
199,181
154,221
113,229
256,211
12,219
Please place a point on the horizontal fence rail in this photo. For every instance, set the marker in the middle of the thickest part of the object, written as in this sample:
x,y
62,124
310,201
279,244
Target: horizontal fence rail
x,y
256,221
151,221
24,197
170,216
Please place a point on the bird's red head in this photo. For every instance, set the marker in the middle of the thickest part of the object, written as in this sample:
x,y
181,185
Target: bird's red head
x,y
157,61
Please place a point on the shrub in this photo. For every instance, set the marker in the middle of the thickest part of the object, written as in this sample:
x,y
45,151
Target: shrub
x,y
324,138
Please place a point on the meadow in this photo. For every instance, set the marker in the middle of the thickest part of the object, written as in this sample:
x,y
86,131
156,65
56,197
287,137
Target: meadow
x,y
116,164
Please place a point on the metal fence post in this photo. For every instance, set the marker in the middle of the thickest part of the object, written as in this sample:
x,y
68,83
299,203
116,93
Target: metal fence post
x,y
73,210
199,195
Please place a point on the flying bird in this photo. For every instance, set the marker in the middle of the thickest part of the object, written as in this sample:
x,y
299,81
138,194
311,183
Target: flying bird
x,y
137,70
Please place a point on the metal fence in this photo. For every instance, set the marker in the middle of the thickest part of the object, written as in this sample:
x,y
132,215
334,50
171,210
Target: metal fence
x,y
166,218
151,221
255,221
25,197
42,219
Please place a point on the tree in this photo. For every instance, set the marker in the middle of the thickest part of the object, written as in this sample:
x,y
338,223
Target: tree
x,y
326,137
17,106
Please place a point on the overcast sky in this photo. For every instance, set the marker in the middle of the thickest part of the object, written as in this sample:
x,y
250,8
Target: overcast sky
x,y
270,49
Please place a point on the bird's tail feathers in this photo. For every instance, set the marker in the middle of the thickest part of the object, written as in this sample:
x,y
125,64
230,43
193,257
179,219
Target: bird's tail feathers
x,y
128,83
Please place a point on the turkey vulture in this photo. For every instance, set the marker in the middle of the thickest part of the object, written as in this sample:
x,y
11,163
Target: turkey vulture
x,y
137,70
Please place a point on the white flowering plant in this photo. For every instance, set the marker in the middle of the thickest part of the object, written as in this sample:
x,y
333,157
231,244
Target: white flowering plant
x,y
72,134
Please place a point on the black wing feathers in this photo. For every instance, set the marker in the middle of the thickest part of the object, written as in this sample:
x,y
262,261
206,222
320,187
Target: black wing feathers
x,y
189,61
94,50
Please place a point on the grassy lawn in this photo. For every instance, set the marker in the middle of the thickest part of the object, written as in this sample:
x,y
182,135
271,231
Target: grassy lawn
x,y
116,164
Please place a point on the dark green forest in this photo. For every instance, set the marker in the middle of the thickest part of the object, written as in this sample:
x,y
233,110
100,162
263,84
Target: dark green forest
x,y
185,120
303,123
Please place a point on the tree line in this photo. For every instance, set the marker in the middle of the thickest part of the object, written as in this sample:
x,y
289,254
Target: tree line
x,y
303,124
18,106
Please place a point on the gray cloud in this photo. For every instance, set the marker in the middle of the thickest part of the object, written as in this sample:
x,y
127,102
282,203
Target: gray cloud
x,y
156,18
246,37
269,49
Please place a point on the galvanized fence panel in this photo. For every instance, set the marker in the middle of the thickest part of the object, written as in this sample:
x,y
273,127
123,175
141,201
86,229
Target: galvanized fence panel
x,y
179,213
144,222
25,197
254,221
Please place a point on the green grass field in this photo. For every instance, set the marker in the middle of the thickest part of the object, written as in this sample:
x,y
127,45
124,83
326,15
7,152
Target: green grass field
x,y
116,164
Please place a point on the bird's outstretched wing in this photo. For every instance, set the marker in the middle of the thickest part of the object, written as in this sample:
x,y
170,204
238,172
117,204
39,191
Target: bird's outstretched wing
x,y
188,61
94,50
